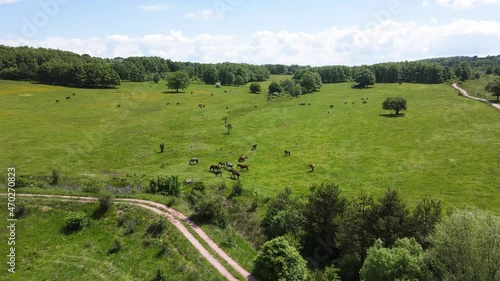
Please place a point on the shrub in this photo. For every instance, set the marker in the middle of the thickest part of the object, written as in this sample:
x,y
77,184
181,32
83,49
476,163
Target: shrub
x,y
166,185
74,222
92,185
25,182
54,178
156,228
116,246
229,237
255,88
237,189
20,211
209,208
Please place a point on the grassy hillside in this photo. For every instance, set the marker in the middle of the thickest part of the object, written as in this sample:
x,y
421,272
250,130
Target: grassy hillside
x,y
44,253
444,147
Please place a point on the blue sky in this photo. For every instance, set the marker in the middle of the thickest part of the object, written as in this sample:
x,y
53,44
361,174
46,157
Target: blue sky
x,y
289,32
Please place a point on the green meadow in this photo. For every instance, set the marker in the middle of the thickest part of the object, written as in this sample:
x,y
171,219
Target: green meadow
x,y
444,147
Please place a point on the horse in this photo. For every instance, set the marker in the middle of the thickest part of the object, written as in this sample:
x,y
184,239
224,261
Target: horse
x,y
331,105
242,158
235,174
68,98
229,165
243,167
287,152
214,168
162,146
222,164
218,173
57,100
74,94
312,166
193,161
118,106
254,147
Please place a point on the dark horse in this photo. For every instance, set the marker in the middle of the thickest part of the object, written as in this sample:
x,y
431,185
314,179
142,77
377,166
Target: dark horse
x,y
162,146
287,152
243,167
218,173
235,174
312,166
254,147
214,168
242,158
193,161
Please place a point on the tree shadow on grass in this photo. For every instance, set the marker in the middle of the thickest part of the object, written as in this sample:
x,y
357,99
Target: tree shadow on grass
x,y
392,115
173,92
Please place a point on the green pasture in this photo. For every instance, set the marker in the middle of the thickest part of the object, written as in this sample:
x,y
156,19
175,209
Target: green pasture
x,y
444,147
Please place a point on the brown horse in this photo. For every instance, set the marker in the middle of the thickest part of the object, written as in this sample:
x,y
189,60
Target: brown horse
x,y
214,168
222,164
235,174
243,167
312,166
287,152
242,158
218,173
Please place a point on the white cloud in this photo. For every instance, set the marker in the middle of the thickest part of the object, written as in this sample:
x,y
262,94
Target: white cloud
x,y
203,15
155,7
426,3
8,1
464,4
386,41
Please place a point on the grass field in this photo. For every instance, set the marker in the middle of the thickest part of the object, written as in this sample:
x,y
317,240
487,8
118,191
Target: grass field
x,y
445,146
85,255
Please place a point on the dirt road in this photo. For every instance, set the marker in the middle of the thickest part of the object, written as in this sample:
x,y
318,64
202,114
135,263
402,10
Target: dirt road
x,y
464,92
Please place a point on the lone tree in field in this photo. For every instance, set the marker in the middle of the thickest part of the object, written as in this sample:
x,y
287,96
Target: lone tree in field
x,y
178,80
275,87
396,103
255,88
493,86
156,78
365,78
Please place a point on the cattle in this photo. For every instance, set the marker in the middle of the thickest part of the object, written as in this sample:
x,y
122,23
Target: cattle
x,y
254,147
68,98
312,166
287,152
193,161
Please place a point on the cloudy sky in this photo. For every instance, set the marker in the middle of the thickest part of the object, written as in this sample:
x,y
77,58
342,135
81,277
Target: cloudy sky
x,y
313,32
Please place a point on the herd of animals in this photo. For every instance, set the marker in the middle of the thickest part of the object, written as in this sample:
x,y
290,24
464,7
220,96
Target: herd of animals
x,y
234,174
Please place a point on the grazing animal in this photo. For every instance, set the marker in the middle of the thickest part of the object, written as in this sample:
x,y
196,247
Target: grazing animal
x,y
362,98
214,168
57,100
229,165
331,105
364,101
287,152
74,94
302,103
193,161
168,103
212,94
235,174
68,98
254,147
192,92
352,102
222,164
225,91
345,102
218,173
254,106
308,103
227,107
328,111
243,167
242,158
200,105
162,146
312,166
118,106
178,103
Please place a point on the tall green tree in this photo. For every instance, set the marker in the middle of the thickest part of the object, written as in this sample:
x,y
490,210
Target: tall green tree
x,y
425,216
493,86
278,260
466,246
178,80
238,80
394,103
310,82
255,88
275,87
156,78
284,215
365,78
403,261
463,71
